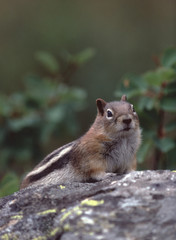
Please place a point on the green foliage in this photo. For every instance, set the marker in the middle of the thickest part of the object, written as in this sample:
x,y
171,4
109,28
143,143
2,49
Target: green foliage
x,y
83,56
155,95
9,184
45,109
48,61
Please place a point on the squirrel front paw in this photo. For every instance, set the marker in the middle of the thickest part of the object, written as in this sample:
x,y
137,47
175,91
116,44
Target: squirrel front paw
x,y
102,175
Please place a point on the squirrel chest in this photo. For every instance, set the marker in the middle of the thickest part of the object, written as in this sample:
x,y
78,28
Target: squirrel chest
x,y
120,155
109,146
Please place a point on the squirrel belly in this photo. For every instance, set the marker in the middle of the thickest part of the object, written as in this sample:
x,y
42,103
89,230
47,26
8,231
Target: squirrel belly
x,y
109,146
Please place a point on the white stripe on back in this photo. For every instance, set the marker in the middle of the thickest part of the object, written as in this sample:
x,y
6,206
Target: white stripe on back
x,y
51,161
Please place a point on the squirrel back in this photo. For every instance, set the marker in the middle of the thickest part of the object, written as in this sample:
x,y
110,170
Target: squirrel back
x,y
109,146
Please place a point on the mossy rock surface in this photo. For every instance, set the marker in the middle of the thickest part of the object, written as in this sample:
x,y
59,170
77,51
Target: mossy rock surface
x,y
139,205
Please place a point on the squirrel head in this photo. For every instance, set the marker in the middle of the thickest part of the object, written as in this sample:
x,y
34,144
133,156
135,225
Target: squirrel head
x,y
117,117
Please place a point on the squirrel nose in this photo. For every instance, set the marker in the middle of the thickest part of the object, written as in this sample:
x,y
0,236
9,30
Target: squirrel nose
x,y
127,121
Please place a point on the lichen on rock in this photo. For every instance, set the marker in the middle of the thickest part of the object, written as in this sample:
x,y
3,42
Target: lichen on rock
x,y
138,205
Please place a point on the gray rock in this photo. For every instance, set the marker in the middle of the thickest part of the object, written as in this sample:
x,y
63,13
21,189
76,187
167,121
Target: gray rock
x,y
139,205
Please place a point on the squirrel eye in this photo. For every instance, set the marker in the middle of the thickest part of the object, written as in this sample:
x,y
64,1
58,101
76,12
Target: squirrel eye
x,y
109,114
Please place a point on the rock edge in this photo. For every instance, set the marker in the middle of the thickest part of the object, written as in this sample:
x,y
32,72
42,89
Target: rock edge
x,y
138,205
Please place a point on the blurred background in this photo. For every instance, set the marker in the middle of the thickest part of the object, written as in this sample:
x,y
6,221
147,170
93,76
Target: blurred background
x,y
57,57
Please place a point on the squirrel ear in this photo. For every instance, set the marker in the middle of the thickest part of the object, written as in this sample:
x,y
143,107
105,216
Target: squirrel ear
x,y
124,98
100,105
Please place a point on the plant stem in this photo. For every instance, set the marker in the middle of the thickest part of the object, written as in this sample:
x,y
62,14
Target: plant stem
x,y
160,135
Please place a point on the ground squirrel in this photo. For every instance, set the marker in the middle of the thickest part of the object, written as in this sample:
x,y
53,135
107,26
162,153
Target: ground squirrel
x,y
109,146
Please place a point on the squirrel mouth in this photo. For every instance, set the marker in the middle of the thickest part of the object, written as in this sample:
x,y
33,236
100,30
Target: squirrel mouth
x,y
126,129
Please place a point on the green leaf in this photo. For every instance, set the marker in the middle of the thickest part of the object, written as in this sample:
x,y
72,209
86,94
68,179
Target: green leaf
x,y
143,151
168,104
18,124
5,106
170,127
132,86
146,103
162,74
169,90
48,61
9,184
83,56
164,144
130,93
55,114
169,58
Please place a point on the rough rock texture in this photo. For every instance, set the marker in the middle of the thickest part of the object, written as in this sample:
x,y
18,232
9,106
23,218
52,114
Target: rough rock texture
x,y
139,205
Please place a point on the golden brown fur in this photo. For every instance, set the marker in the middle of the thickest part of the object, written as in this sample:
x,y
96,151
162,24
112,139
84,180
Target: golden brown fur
x,y
109,146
